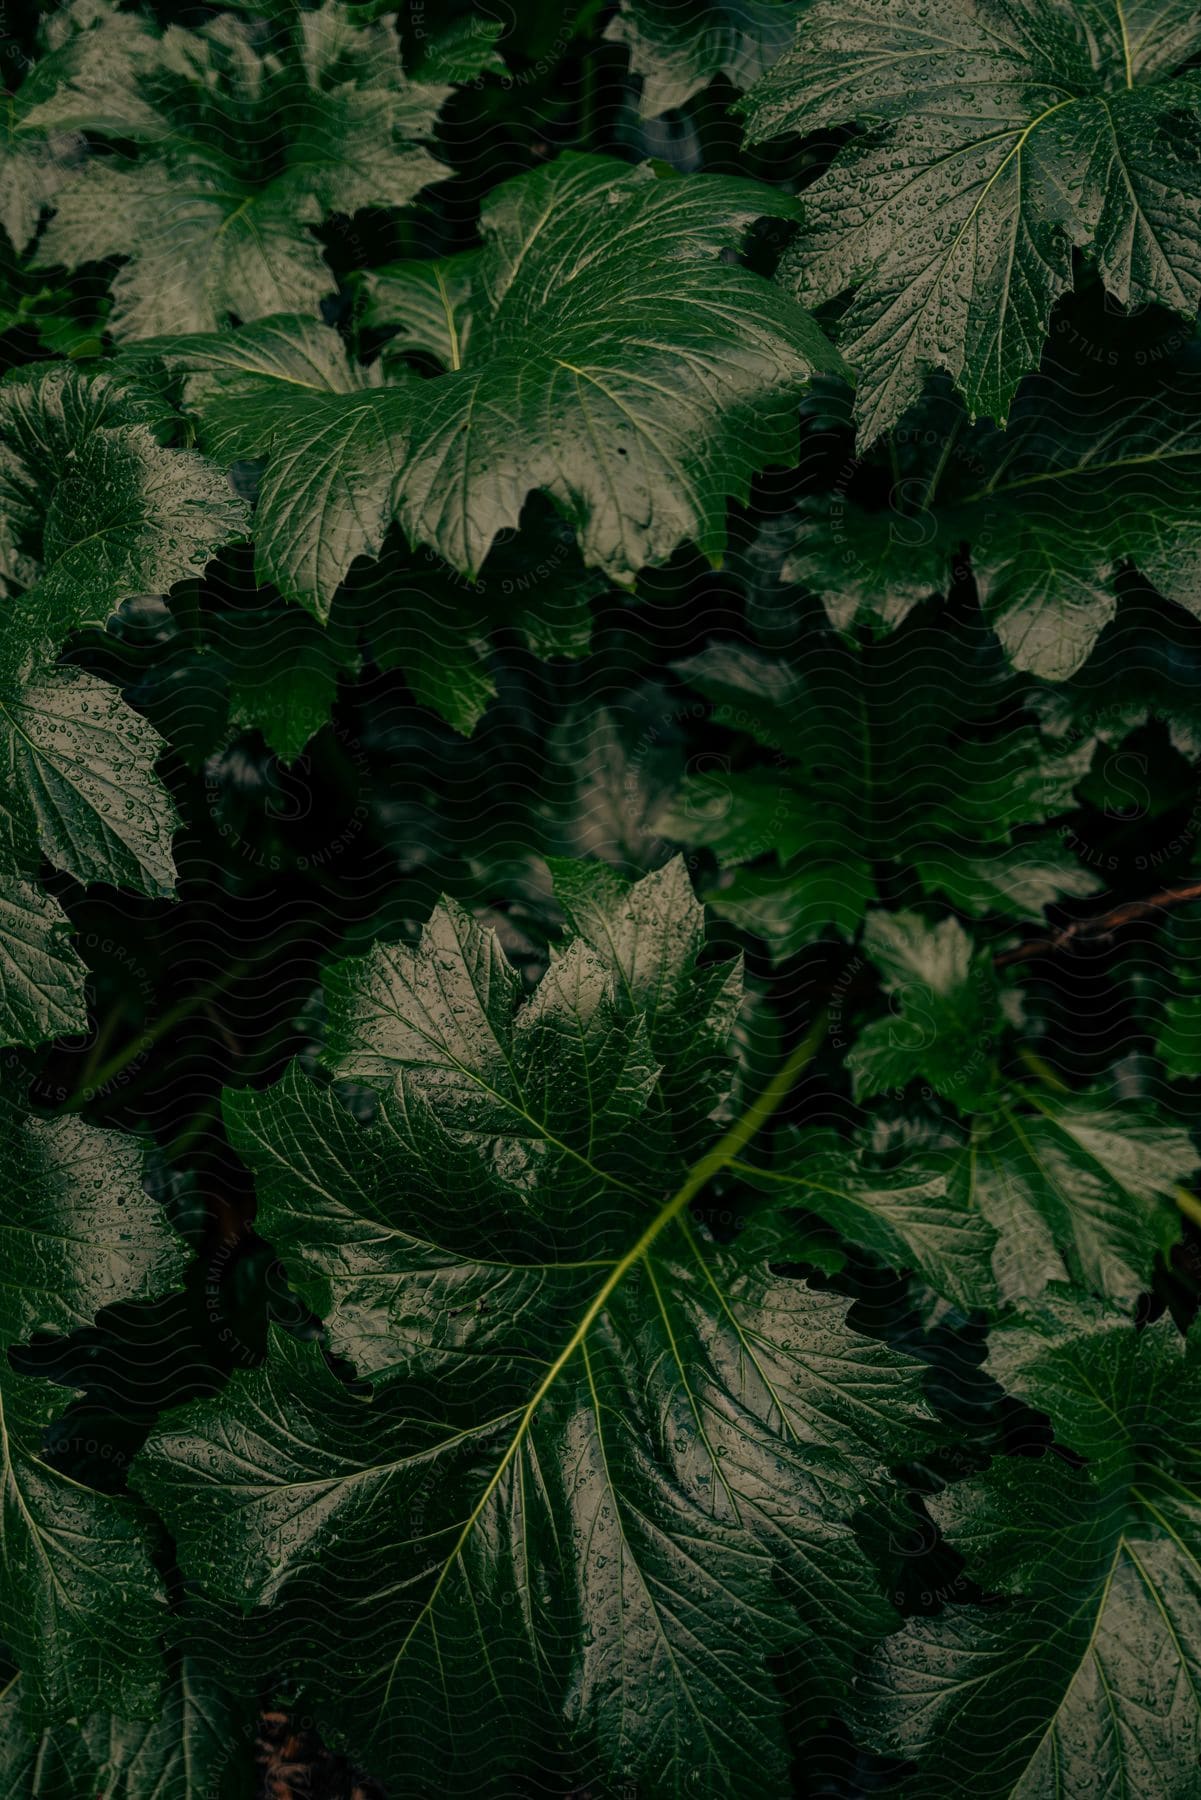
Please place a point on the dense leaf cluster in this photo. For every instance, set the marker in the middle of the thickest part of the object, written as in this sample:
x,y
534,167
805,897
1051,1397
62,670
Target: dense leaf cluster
x,y
601,1028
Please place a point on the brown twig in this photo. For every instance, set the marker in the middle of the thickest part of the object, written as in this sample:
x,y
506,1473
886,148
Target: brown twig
x,y
1100,927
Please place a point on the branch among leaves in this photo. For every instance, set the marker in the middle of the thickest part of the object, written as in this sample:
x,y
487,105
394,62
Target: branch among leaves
x,y
1100,928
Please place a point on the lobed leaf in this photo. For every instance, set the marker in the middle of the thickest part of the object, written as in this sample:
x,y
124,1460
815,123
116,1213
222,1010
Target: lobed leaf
x,y
81,1605
917,750
677,51
994,139
1090,1673
644,379
242,147
615,1464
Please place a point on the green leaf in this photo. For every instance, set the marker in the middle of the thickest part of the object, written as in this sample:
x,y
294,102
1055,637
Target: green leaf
x,y
870,568
461,52
80,1231
1088,1678
1083,484
612,1466
1179,1040
1077,491
427,306
826,881
916,1216
439,1022
995,138
289,381
638,422
81,791
29,171
741,815
41,978
650,939
325,499
80,1606
49,413
1017,880
198,1747
38,1762
1044,1190
129,518
95,54
34,160
420,616
81,788
946,1007
679,51
27,181
636,461
282,669
792,907
254,385
94,508
1078,1192
215,211
915,749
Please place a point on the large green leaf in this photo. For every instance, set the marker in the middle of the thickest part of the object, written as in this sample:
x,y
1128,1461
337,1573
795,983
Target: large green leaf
x,y
615,361
1089,1678
1075,492
678,50
608,1465
29,170
649,938
80,1232
916,750
589,271
34,159
79,790
1089,480
287,384
49,413
405,1016
80,1603
995,138
199,1747
28,178
244,141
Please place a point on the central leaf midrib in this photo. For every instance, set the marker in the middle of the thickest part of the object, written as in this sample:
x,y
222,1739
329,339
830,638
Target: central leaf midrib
x,y
1023,133
1100,1599
1142,460
1126,58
